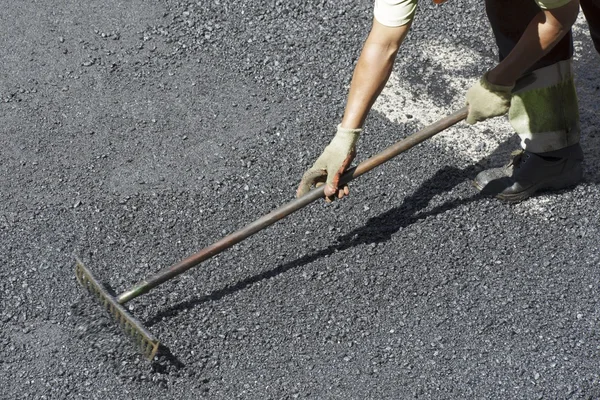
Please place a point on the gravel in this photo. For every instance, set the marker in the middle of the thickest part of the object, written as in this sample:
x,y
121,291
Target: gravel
x,y
136,133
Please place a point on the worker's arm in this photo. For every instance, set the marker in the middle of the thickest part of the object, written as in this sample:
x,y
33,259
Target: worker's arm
x,y
546,29
490,97
372,71
390,26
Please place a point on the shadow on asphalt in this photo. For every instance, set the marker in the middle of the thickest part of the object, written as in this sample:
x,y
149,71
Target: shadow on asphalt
x,y
381,228
377,229
168,358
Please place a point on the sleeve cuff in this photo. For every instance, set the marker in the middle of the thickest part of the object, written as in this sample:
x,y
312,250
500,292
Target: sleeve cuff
x,y
551,4
394,13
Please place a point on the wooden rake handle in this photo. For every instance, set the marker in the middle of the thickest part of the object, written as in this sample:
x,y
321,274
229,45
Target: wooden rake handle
x,y
287,209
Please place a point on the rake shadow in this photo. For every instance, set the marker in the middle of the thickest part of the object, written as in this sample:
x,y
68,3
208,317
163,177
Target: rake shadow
x,y
377,229
168,358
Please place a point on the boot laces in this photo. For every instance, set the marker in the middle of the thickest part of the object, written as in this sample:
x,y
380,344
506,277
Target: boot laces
x,y
519,157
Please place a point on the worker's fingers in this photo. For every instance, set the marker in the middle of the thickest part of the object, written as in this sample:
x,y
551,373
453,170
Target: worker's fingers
x,y
343,191
330,190
303,188
317,182
328,198
318,177
340,193
471,118
310,178
333,180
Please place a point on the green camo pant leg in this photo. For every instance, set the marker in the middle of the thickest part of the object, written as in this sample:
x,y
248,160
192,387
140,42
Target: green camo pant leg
x,y
544,111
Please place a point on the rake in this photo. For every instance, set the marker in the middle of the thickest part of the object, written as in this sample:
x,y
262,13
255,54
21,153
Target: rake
x,y
146,342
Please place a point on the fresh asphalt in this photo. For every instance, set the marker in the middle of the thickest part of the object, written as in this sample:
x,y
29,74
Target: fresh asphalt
x,y
134,133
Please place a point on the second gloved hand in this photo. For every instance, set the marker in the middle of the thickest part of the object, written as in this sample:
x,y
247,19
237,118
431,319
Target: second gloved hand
x,y
330,165
486,100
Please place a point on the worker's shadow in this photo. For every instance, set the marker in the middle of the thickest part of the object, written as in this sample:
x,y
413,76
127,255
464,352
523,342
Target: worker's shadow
x,y
382,227
377,229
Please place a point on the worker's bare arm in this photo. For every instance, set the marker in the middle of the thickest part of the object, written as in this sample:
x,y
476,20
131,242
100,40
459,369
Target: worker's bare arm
x,y
372,71
370,76
546,29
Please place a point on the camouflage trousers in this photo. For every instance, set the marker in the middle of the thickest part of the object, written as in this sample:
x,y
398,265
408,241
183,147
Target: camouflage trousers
x,y
544,110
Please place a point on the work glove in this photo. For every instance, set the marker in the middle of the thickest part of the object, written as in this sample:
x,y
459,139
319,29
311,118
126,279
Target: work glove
x,y
486,100
330,166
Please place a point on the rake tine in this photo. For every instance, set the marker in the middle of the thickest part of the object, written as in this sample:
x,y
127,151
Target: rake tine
x,y
144,340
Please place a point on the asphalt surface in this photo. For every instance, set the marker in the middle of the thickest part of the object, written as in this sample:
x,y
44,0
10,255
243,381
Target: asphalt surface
x,y
135,133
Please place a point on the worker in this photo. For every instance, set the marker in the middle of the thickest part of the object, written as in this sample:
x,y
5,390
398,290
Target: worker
x,y
533,83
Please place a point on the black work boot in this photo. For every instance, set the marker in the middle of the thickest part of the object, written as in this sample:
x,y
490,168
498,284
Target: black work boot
x,y
529,172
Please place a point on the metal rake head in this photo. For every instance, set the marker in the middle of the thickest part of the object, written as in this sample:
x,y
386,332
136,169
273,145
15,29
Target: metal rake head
x,y
147,343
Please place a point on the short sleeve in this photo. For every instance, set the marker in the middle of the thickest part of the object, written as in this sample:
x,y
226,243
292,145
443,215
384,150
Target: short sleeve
x,y
394,13
550,4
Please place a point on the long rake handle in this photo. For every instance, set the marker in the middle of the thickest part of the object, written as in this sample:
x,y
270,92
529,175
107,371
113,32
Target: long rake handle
x,y
287,209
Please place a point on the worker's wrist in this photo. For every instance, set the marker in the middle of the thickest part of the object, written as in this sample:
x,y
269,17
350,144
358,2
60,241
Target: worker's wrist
x,y
496,82
346,135
345,138
348,131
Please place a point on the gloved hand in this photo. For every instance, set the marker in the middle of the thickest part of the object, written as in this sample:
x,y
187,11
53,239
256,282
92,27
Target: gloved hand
x,y
486,100
330,166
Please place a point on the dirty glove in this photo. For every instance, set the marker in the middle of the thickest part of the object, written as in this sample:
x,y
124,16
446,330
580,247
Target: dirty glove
x,y
330,166
486,100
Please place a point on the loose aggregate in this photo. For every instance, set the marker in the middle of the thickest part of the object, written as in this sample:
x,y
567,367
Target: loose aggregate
x,y
136,133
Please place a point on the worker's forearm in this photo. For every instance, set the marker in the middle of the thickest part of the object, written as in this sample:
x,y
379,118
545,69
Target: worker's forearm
x,y
370,76
545,30
372,71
